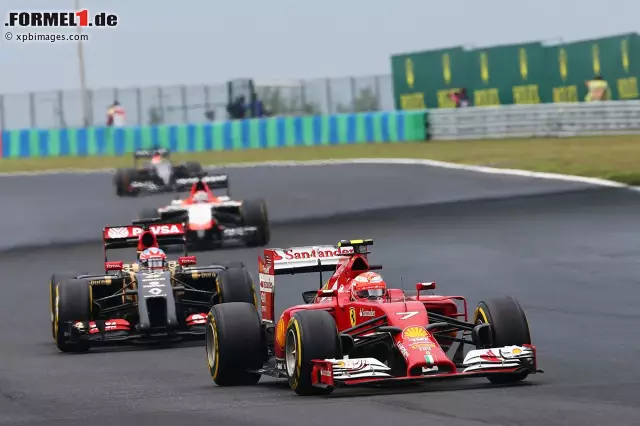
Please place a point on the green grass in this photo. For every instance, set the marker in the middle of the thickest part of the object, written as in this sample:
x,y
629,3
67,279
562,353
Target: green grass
x,y
615,157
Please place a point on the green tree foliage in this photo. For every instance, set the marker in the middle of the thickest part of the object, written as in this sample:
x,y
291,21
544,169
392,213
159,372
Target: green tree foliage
x,y
156,116
277,102
365,101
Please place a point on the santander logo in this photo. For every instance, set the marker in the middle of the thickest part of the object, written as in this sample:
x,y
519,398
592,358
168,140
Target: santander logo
x,y
311,253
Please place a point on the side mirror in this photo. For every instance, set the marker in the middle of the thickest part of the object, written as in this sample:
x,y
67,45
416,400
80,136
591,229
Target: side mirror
x,y
328,293
113,266
187,260
425,286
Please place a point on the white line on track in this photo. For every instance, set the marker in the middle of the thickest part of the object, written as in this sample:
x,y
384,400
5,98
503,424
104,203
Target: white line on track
x,y
406,161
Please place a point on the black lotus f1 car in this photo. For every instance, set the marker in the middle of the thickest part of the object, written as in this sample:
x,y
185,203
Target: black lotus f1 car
x,y
157,175
130,304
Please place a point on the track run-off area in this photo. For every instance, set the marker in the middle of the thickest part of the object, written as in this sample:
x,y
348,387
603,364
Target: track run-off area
x,y
568,251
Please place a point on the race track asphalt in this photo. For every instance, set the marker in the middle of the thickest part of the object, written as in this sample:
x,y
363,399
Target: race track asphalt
x,y
67,208
568,252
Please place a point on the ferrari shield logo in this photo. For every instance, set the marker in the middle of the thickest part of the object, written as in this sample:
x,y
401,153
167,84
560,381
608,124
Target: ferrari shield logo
x,y
352,316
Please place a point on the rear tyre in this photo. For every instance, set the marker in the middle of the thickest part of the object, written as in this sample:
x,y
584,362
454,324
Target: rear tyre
x,y
148,213
193,168
72,303
234,344
236,285
254,213
310,335
509,326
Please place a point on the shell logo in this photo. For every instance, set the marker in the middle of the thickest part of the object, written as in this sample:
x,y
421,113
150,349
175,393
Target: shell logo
x,y
414,332
516,351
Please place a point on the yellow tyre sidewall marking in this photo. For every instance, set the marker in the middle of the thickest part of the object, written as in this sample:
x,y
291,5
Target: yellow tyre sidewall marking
x,y
213,369
296,375
480,314
57,313
218,289
51,308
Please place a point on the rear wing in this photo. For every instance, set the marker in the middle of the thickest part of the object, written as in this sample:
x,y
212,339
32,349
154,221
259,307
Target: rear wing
x,y
148,153
130,236
213,182
301,260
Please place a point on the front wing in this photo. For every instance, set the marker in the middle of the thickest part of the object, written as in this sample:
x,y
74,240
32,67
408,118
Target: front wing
x,y
478,363
76,331
148,186
225,234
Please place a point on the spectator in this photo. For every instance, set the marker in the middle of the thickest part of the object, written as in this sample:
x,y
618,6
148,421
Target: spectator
x,y
598,89
257,108
115,115
237,109
461,98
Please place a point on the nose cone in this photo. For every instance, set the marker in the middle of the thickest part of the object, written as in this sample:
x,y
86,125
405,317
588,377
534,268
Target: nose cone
x,y
422,353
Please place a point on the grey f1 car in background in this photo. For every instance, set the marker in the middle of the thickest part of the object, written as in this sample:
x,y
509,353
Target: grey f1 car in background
x,y
157,175
215,221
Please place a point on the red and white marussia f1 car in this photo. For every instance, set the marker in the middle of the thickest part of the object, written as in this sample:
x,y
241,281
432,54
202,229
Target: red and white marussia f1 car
x,y
214,221
355,331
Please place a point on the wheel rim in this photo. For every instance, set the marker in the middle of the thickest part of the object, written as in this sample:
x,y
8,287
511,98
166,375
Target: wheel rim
x,y
291,352
211,346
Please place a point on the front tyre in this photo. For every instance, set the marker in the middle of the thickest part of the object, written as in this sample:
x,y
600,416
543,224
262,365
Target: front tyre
x,y
53,284
234,344
310,335
509,326
72,303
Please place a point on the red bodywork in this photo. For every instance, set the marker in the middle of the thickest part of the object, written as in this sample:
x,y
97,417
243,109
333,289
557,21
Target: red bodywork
x,y
197,187
208,221
129,236
419,347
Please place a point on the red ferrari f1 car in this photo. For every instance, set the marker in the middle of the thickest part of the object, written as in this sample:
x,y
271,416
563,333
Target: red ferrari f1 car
x,y
355,331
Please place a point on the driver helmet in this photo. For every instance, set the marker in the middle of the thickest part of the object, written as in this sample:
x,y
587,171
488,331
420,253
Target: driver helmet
x,y
368,285
200,197
152,258
156,159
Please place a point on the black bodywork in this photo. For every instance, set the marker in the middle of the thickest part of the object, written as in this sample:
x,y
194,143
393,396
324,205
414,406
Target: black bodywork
x,y
151,178
155,304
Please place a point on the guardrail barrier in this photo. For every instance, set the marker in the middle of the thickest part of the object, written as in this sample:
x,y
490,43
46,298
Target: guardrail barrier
x,y
542,120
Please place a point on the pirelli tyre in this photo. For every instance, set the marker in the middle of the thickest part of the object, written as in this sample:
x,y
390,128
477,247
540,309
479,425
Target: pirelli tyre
x,y
254,213
121,181
509,326
235,284
310,335
193,169
235,344
53,283
72,303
